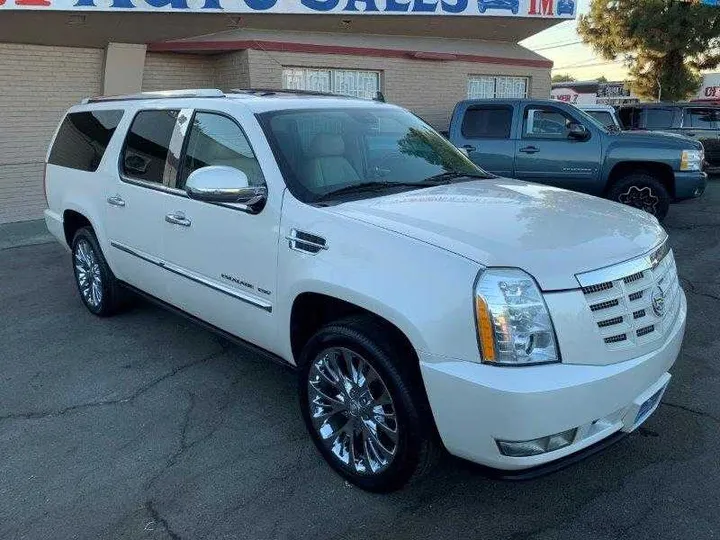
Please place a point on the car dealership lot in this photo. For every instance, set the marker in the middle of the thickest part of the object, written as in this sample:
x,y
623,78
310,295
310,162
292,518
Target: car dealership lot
x,y
147,426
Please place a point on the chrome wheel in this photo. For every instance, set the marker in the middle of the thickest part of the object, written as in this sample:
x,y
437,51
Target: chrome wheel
x,y
87,273
642,198
352,411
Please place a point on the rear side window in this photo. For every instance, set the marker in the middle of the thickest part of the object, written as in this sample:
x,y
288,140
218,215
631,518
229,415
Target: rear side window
x,y
83,138
702,118
487,123
656,118
147,145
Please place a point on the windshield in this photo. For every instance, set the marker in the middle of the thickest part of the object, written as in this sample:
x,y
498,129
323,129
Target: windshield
x,y
324,151
604,117
594,121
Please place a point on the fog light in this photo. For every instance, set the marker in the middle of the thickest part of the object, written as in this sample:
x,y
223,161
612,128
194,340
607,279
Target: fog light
x,y
537,446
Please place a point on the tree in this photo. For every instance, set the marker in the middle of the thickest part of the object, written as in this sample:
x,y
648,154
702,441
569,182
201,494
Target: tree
x,y
563,77
602,79
664,43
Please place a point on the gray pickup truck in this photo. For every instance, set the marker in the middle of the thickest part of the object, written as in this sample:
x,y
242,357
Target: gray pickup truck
x,y
555,143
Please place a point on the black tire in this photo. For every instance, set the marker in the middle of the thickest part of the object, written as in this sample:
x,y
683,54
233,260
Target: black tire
x,y
644,191
418,445
110,297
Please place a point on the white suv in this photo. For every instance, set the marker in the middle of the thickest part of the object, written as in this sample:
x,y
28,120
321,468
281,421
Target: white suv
x,y
423,301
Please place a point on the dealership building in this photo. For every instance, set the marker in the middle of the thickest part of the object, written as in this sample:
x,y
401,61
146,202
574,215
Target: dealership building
x,y
422,54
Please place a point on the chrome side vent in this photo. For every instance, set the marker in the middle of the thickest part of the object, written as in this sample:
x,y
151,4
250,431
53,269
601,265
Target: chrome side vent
x,y
306,242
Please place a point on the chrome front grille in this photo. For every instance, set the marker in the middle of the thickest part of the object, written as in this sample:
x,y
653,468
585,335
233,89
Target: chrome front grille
x,y
638,307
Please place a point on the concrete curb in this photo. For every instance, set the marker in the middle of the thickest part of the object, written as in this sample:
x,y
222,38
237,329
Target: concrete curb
x,y
24,233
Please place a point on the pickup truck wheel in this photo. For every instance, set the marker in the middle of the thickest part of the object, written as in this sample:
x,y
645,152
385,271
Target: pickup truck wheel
x,y
644,191
365,414
95,281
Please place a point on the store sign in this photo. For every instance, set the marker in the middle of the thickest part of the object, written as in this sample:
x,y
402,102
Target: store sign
x,y
564,9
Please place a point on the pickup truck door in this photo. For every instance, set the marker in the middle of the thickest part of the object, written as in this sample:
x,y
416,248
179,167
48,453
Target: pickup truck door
x,y
547,155
484,132
703,124
222,258
134,226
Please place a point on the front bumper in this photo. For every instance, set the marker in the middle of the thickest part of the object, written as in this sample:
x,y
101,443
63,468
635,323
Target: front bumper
x,y
690,184
475,405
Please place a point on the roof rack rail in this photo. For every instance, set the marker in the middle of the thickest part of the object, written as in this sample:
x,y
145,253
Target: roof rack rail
x,y
162,94
274,91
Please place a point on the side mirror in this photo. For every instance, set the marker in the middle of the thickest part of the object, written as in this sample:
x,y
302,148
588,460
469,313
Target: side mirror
x,y
221,184
578,132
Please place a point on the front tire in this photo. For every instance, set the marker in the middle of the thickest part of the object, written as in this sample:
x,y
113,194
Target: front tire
x,y
365,407
98,287
644,191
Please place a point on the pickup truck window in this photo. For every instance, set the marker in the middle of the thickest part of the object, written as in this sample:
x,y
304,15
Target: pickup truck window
x,y
657,118
702,118
546,123
215,139
82,139
146,145
487,122
604,117
323,150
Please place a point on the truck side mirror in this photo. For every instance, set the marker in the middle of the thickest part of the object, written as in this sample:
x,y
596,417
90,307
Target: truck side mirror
x,y
578,132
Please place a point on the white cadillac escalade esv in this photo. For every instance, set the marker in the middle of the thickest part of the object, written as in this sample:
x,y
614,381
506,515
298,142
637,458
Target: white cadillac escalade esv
x,y
424,302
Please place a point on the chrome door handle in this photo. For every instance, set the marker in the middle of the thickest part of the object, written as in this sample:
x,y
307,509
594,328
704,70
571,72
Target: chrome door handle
x,y
116,200
178,218
529,149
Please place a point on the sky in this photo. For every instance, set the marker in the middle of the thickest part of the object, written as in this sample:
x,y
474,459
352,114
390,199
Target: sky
x,y
563,46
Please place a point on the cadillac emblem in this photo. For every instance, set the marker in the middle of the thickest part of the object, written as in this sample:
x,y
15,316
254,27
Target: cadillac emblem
x,y
658,301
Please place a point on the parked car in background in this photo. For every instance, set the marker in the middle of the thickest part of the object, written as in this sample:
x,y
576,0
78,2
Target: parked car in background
x,y
509,5
551,142
696,120
605,114
423,302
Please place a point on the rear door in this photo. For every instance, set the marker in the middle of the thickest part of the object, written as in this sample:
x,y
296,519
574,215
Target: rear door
x,y
703,124
484,133
546,154
135,202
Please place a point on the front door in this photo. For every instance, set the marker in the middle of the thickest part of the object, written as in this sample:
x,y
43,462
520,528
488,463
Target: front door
x,y
222,258
546,154
135,202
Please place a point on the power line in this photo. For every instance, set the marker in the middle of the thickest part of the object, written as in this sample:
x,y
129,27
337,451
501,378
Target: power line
x,y
585,64
558,45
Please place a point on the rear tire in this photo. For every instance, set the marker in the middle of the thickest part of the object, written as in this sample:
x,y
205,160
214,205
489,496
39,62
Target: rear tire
x,y
644,191
97,285
364,405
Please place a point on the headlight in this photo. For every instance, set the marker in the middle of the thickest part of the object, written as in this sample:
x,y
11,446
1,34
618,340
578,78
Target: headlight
x,y
513,322
691,160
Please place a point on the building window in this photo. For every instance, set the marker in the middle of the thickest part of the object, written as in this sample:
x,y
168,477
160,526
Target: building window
x,y
500,87
346,82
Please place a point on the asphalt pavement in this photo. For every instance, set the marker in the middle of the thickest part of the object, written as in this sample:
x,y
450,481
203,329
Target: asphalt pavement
x,y
145,426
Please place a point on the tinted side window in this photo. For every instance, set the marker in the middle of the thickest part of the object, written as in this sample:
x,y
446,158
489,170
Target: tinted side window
x,y
215,139
546,123
82,139
146,145
702,118
487,123
628,117
658,118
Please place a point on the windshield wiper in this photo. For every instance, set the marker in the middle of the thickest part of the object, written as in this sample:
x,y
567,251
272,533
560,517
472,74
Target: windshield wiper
x,y
452,175
370,186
